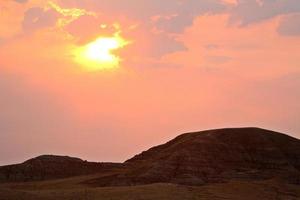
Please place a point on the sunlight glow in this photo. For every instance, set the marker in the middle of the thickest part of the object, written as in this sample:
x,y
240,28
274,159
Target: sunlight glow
x,y
98,55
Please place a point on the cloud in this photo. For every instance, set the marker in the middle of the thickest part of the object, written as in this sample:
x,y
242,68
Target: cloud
x,y
159,42
184,11
152,17
36,18
21,1
166,45
185,14
92,28
252,11
255,51
290,25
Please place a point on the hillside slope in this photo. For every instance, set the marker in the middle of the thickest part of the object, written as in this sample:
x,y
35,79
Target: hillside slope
x,y
214,156
47,167
198,158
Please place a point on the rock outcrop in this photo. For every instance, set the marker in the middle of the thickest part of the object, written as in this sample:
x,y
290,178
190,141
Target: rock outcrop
x,y
214,156
189,159
48,167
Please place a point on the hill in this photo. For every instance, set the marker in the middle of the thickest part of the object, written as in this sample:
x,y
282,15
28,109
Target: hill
x,y
214,156
237,163
47,167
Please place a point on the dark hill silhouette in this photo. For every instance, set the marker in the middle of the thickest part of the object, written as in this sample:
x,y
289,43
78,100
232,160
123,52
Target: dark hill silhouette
x,y
214,156
47,167
189,159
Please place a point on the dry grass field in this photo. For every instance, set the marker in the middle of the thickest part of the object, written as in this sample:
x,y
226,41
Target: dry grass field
x,y
72,189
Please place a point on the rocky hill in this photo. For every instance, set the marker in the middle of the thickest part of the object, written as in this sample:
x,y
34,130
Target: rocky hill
x,y
47,167
214,156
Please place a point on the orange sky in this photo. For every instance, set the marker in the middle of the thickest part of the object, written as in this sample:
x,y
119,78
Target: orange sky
x,y
184,66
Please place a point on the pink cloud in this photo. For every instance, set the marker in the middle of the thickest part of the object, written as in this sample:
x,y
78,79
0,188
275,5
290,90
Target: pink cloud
x,y
256,51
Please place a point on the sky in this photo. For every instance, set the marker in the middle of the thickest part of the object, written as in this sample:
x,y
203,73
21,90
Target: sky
x,y
105,80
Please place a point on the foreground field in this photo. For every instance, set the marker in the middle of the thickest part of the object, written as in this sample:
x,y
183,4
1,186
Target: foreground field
x,y
72,189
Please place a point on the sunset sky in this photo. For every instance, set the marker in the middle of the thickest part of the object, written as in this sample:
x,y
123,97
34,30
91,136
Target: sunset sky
x,y
106,79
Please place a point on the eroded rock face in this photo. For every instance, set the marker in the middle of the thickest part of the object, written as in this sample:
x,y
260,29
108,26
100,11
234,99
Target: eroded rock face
x,y
214,156
189,159
50,167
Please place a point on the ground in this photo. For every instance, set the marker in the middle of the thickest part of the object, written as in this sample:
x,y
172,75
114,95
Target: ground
x,y
72,189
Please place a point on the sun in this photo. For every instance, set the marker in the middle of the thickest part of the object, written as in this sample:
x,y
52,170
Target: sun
x,y
100,50
98,54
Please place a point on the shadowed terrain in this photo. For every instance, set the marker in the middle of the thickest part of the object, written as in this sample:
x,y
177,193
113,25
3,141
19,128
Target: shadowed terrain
x,y
49,167
240,163
214,156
